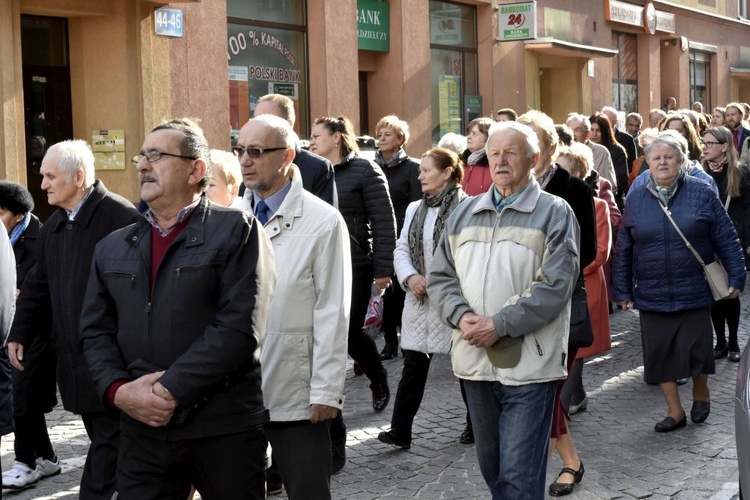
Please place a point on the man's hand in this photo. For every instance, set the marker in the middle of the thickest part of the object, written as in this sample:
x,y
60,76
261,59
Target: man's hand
x,y
15,354
139,401
382,283
321,413
625,304
417,284
477,330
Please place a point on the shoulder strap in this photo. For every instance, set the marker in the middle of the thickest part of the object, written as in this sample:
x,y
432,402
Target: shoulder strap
x,y
690,247
726,203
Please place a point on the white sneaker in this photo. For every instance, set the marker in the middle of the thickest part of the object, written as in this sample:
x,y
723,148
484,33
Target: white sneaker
x,y
47,468
20,476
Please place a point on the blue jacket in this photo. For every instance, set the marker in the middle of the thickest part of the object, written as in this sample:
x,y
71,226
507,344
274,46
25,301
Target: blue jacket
x,y
654,268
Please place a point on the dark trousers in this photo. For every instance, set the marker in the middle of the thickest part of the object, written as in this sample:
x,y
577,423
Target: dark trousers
x,y
302,451
32,439
361,347
410,392
98,480
220,467
726,311
393,309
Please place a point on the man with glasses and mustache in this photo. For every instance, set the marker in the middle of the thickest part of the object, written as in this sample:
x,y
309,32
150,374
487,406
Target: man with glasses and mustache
x,y
52,297
174,313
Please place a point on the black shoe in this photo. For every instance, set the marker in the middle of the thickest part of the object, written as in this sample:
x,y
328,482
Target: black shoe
x,y
699,412
561,489
669,424
389,351
390,437
381,395
338,456
467,436
734,356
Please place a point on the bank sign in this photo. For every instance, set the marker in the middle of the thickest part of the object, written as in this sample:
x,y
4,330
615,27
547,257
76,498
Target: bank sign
x,y
373,26
516,21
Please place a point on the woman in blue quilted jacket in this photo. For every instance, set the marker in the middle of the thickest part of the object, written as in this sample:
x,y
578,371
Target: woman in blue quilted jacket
x,y
656,273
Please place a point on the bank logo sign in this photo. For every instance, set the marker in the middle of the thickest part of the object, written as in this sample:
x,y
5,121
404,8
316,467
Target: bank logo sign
x,y
516,21
373,26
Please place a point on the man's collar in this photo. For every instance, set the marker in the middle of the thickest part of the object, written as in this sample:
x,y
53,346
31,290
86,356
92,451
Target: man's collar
x,y
181,216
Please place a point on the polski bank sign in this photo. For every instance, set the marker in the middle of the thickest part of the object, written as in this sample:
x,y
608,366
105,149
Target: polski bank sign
x,y
516,21
373,26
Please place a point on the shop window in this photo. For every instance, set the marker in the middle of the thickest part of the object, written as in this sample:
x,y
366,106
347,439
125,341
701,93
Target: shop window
x,y
266,49
625,72
453,65
700,78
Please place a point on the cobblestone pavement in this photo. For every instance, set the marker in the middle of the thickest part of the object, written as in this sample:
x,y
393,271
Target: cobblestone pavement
x,y
624,457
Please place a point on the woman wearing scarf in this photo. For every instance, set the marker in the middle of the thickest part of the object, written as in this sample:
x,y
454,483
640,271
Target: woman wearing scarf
x,y
34,391
656,273
477,178
422,333
720,162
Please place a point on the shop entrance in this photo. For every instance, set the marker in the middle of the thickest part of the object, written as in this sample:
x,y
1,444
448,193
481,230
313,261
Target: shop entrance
x,y
47,101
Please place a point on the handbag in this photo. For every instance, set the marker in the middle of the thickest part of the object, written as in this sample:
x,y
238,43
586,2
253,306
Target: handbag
x,y
715,274
581,330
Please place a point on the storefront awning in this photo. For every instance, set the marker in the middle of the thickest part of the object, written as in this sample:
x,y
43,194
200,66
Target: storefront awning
x,y
741,73
561,48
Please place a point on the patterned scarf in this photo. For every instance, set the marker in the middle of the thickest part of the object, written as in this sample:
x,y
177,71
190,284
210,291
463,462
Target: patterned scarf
x,y
447,200
19,229
396,159
716,166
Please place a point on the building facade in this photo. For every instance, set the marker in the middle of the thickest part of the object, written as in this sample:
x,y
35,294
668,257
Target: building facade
x,y
108,71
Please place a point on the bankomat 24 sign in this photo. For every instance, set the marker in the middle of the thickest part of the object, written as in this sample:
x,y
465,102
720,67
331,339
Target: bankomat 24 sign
x,y
516,21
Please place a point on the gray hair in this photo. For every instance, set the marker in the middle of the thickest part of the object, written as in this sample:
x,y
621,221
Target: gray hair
x,y
576,117
452,139
670,138
194,145
637,116
74,155
532,141
282,128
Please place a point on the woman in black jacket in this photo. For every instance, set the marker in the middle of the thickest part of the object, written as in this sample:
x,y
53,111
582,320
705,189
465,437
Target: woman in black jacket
x,y
365,204
720,162
602,133
404,187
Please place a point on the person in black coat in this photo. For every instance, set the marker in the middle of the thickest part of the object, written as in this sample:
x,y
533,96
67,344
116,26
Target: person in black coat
x,y
35,389
54,290
404,187
623,138
365,204
316,172
556,180
602,133
7,306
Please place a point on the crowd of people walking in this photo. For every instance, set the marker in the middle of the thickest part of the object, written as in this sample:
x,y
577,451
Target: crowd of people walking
x,y
218,320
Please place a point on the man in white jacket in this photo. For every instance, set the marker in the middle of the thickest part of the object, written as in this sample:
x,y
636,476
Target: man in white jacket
x,y
303,357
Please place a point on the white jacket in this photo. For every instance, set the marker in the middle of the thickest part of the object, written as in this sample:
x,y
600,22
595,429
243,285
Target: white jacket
x,y
303,356
421,328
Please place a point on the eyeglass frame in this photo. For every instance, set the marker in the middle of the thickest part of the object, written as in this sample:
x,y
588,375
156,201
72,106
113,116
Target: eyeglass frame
x,y
710,143
239,151
140,156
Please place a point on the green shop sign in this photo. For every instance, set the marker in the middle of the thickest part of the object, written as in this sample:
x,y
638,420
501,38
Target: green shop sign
x,y
373,26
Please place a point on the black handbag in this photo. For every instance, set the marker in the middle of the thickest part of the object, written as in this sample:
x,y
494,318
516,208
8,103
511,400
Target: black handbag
x,y
581,331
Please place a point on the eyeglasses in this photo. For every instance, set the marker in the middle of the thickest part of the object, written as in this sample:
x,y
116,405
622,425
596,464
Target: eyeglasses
x,y
155,155
253,153
710,143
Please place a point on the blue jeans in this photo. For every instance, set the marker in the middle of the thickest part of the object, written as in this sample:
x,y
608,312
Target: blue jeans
x,y
512,426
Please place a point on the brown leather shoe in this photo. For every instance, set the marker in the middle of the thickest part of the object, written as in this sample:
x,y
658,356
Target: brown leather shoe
x,y
381,395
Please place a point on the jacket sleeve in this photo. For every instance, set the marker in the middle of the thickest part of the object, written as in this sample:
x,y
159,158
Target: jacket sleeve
x,y
247,283
443,285
402,261
620,162
615,216
726,244
622,266
583,207
603,236
606,170
333,285
552,287
745,202
99,328
380,213
415,187
324,185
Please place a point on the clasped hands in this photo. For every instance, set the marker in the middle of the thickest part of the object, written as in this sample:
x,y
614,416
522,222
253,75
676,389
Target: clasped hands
x,y
146,400
478,331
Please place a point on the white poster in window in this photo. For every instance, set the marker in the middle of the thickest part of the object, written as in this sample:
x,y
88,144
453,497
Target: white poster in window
x,y
445,27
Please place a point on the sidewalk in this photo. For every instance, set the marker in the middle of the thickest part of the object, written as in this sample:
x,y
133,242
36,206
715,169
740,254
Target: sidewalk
x,y
624,457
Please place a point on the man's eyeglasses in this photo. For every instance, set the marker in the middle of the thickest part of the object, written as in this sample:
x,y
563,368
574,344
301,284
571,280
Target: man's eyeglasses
x,y
154,155
710,143
253,153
